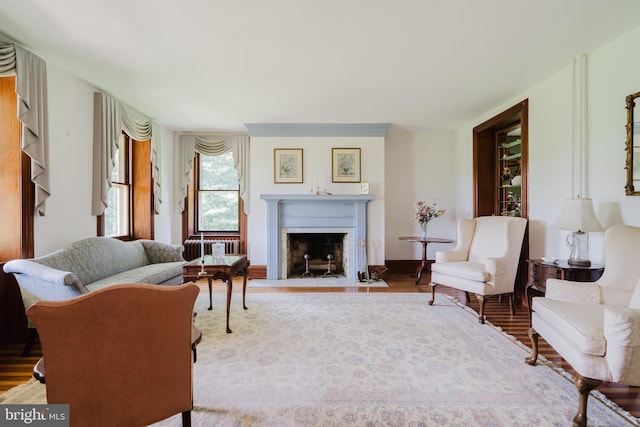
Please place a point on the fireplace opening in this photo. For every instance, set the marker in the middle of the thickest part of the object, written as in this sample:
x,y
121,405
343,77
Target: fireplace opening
x,y
315,254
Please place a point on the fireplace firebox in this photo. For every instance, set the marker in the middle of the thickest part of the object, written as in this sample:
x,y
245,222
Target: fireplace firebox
x,y
315,254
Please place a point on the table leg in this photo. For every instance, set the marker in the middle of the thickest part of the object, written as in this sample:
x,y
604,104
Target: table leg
x,y
423,264
244,287
229,290
209,279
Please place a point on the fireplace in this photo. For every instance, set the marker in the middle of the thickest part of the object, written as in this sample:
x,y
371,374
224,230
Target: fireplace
x,y
315,214
314,255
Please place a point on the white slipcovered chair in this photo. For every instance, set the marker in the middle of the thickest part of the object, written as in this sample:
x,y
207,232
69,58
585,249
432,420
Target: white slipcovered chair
x,y
595,326
485,260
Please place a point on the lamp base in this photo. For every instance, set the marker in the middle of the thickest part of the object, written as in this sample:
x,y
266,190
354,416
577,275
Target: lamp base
x,y
579,262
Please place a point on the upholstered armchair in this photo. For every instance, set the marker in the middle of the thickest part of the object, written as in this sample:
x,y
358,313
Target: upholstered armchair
x,y
485,260
595,326
121,355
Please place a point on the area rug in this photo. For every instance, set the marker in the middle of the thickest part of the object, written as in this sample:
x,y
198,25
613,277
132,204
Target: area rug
x,y
315,282
370,359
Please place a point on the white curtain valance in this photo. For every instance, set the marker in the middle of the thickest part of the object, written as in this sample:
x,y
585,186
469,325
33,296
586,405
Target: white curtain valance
x,y
31,87
141,128
110,118
211,145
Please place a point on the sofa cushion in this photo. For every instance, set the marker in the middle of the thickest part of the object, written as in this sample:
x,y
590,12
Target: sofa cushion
x,y
580,323
150,273
463,269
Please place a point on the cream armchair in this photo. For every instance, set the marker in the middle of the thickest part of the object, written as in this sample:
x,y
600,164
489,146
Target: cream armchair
x,y
595,326
485,260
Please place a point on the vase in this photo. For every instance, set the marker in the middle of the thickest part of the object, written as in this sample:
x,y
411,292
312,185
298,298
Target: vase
x,y
423,230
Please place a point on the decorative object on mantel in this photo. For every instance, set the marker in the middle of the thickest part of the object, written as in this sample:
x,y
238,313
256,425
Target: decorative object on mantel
x,y
287,166
345,165
578,217
425,213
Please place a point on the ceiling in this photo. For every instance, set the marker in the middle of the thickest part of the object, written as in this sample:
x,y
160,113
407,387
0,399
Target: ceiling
x,y
212,65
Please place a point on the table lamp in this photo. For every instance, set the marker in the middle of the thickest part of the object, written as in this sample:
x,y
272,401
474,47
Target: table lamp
x,y
578,217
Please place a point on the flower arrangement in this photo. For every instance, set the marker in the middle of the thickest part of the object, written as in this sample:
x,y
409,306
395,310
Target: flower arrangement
x,y
425,212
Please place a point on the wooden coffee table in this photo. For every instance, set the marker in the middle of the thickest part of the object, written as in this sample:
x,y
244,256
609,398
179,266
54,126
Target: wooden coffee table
x,y
224,269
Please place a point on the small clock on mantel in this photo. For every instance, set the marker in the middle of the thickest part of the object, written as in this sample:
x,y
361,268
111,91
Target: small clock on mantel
x,y
364,188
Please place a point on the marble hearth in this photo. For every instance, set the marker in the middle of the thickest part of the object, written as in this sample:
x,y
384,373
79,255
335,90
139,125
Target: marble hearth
x,y
293,213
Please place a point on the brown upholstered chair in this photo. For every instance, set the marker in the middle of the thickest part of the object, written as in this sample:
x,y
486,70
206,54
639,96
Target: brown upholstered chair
x,y
121,355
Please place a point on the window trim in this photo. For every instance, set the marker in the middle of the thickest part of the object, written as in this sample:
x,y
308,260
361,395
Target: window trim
x,y
196,204
140,182
188,221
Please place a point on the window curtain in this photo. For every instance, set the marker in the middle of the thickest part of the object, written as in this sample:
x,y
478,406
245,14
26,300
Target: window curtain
x,y
212,145
110,118
31,87
141,128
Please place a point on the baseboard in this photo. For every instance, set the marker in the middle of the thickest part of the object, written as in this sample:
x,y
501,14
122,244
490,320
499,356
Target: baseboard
x,y
257,271
405,266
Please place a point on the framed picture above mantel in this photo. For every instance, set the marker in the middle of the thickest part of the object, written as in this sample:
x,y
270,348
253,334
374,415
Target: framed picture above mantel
x,y
287,166
345,165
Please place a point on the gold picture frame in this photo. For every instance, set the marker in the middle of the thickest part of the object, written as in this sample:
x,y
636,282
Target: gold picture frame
x,y
288,166
345,165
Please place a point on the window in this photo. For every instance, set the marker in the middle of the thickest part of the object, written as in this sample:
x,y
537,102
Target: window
x,y
117,215
218,194
129,212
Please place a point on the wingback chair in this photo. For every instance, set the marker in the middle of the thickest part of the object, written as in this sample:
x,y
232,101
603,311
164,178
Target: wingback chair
x,y
595,326
119,356
485,260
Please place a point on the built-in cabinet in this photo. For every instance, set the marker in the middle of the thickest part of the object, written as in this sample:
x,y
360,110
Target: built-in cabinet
x,y
509,191
500,147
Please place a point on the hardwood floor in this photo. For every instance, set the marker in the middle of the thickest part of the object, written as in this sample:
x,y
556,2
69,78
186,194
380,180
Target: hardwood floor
x,y
15,369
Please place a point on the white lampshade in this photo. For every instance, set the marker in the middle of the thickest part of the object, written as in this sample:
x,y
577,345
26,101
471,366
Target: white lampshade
x,y
578,215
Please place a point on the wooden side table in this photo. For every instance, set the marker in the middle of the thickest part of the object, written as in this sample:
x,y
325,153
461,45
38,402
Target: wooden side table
x,y
540,271
423,262
225,269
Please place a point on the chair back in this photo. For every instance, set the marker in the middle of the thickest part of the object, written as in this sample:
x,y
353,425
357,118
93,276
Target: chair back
x,y
497,237
120,355
622,267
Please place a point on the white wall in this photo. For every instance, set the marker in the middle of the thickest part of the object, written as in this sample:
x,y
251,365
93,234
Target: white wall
x,y
612,75
409,166
68,211
420,166
316,172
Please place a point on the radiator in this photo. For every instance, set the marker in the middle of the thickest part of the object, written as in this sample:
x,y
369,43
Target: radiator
x,y
192,247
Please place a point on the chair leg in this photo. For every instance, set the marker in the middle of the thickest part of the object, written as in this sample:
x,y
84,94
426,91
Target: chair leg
x,y
467,297
533,336
482,299
32,333
584,386
433,293
186,419
512,304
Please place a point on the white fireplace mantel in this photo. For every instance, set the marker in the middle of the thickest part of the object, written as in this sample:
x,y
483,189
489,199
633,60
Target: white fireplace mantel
x,y
297,211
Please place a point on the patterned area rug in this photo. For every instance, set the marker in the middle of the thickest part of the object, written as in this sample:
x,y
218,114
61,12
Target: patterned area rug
x,y
368,359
